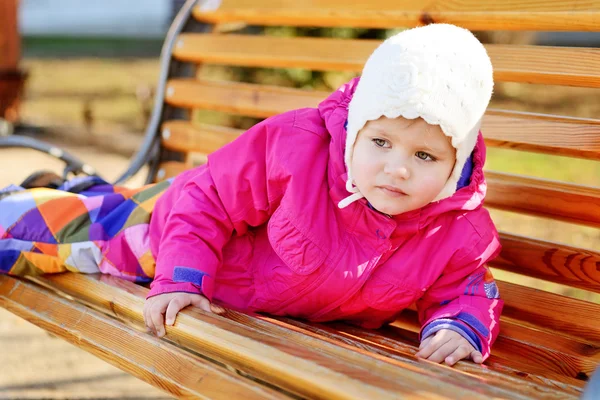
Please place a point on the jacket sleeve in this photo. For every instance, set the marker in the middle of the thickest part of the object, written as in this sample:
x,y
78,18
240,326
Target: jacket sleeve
x,y
239,187
465,298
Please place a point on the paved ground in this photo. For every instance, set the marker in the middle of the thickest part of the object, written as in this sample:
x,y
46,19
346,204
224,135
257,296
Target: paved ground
x,y
35,365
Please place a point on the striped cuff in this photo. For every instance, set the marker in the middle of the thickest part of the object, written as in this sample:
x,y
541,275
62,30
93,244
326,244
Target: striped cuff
x,y
457,326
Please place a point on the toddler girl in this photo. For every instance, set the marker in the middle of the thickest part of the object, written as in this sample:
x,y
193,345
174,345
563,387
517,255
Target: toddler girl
x,y
349,211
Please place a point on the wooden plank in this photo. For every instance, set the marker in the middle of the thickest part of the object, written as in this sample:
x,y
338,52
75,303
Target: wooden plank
x,y
560,314
240,98
170,169
563,201
187,137
571,15
140,354
306,370
326,54
504,129
531,64
513,366
529,353
537,350
394,344
549,261
546,65
565,136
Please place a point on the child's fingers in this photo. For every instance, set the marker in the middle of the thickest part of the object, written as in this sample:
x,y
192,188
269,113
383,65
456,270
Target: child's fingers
x,y
175,305
201,302
156,316
148,318
477,357
145,314
441,352
425,342
180,302
428,347
463,351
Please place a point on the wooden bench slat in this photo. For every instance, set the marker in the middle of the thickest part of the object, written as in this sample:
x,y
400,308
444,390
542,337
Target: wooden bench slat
x,y
531,352
168,368
186,137
577,318
563,201
531,64
326,54
546,65
170,169
401,339
576,137
546,351
401,347
240,98
472,14
512,130
312,369
549,261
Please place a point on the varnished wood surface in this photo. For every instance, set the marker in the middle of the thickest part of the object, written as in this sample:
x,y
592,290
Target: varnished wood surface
x,y
547,134
550,15
544,198
512,63
220,338
157,362
563,315
549,261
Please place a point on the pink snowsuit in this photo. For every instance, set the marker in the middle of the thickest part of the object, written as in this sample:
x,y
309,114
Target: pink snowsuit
x,y
258,228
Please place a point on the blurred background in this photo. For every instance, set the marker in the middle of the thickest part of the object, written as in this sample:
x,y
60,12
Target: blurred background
x,y
82,75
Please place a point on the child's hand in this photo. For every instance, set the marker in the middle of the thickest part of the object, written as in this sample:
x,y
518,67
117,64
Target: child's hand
x,y
449,346
167,305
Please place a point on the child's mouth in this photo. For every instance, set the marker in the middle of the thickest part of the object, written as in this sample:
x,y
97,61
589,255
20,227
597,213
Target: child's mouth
x,y
392,191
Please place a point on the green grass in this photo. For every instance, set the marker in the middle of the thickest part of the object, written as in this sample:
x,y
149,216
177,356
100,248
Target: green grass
x,y
69,46
580,171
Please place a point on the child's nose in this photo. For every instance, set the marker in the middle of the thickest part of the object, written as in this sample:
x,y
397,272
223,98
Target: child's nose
x,y
403,172
398,170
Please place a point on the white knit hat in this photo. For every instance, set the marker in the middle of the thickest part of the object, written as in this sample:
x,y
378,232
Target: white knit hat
x,y
438,72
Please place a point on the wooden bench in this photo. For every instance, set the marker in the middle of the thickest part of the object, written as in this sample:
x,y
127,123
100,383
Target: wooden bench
x,y
548,344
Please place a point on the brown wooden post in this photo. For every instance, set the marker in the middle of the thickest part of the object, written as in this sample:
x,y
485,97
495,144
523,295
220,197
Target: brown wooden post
x,y
11,78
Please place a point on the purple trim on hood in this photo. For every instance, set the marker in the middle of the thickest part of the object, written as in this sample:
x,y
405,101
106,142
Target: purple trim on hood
x,y
465,175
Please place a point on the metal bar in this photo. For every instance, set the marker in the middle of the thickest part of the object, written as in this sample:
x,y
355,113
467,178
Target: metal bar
x,y
152,136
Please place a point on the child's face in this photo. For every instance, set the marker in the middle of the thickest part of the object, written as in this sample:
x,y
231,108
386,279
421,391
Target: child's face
x,y
401,165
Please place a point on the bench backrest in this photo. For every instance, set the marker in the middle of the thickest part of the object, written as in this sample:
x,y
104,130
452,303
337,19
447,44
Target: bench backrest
x,y
203,104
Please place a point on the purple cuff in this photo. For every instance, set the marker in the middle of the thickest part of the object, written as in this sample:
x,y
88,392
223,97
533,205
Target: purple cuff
x,y
196,277
457,326
168,286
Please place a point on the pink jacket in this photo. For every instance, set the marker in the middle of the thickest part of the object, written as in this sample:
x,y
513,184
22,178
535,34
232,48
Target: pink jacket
x,y
258,228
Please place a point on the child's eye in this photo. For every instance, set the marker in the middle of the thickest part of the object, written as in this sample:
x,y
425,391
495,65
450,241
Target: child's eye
x,y
380,142
424,156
